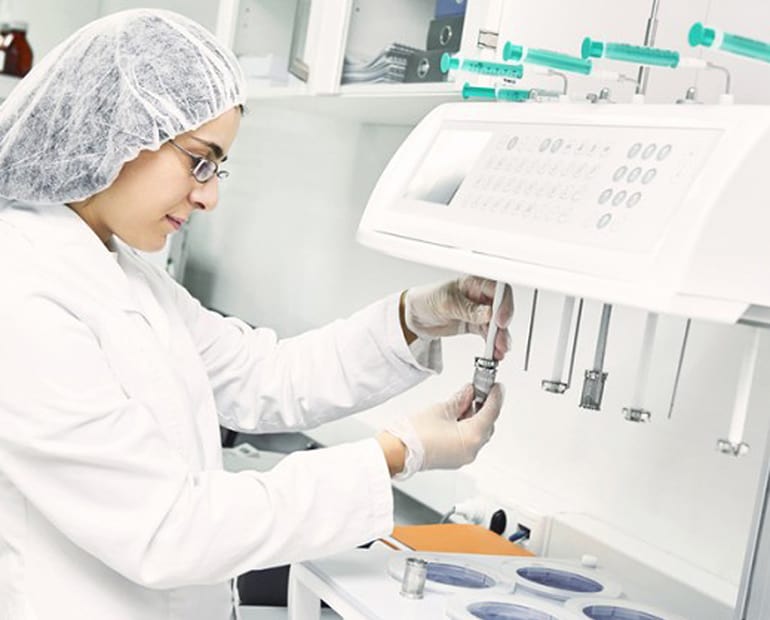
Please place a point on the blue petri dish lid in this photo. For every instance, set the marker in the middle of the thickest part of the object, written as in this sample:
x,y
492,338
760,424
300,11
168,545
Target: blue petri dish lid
x,y
559,579
458,576
614,612
494,610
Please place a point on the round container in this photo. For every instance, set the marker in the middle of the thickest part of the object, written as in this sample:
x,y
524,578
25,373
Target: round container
x,y
413,581
560,580
602,609
451,573
491,606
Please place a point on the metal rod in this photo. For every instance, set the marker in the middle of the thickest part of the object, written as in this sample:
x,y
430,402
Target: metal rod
x,y
649,41
679,367
530,329
574,342
601,339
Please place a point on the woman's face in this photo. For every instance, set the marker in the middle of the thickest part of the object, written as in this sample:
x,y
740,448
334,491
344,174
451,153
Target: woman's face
x,y
155,194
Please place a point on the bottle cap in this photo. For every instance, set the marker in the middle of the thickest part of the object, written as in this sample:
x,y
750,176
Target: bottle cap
x,y
18,25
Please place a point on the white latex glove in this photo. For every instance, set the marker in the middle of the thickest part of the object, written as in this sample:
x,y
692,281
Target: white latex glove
x,y
461,306
447,435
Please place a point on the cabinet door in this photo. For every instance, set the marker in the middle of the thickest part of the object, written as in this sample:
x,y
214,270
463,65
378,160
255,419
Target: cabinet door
x,y
371,45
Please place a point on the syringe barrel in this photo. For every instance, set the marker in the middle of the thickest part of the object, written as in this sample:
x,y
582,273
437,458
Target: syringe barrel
x,y
638,54
547,58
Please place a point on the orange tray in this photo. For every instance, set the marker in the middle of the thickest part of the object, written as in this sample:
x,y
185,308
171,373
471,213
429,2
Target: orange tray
x,y
456,538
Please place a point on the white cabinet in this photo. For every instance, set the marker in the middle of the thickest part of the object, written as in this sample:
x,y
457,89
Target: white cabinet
x,y
358,30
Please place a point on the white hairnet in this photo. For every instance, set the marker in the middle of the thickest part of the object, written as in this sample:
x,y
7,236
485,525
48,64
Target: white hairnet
x,y
121,84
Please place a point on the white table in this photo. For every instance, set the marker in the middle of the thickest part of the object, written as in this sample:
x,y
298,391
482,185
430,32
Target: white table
x,y
357,586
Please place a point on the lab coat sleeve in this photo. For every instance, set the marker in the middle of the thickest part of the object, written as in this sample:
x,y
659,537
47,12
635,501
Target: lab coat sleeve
x,y
262,384
97,465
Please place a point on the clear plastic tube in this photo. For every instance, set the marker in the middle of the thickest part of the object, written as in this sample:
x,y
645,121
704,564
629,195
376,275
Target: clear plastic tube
x,y
629,53
733,43
482,67
547,58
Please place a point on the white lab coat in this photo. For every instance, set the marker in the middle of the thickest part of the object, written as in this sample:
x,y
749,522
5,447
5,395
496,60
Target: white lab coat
x,y
113,501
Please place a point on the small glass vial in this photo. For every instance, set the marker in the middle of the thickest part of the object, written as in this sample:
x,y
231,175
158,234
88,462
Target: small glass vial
x,y
18,53
413,583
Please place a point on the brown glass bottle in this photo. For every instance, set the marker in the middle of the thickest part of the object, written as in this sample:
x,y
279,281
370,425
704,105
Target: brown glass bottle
x,y
18,53
4,31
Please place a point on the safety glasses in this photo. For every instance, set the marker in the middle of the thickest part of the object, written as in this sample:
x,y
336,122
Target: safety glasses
x,y
203,169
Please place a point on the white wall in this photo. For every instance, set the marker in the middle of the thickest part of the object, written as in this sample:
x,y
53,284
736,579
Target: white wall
x,y
280,252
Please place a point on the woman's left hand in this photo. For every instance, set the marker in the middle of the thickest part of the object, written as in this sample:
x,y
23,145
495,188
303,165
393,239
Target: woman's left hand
x,y
461,306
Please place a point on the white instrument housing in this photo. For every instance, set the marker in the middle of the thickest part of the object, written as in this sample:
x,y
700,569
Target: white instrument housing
x,y
662,207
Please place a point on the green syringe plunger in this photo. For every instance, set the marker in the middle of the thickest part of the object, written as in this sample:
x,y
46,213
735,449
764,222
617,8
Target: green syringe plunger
x,y
482,67
546,58
629,53
743,46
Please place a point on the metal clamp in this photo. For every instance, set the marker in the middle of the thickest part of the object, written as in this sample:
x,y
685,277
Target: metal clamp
x,y
633,414
487,39
725,446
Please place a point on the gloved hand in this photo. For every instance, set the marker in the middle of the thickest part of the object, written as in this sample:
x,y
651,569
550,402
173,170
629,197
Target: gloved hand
x,y
461,306
447,435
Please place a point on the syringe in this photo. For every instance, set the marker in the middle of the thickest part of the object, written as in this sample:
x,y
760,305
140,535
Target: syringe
x,y
485,368
743,46
482,67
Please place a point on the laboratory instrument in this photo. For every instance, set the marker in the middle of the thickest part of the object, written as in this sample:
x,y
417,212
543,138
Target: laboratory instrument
x,y
636,411
647,206
498,93
595,378
485,367
638,54
558,383
743,46
546,58
482,67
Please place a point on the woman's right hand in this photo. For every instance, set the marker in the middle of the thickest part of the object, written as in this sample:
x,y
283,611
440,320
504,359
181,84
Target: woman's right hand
x,y
444,436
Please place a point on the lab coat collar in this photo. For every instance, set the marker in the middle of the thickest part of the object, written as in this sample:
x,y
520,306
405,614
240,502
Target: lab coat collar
x,y
61,234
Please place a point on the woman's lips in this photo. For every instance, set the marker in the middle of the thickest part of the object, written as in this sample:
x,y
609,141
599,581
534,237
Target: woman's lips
x,y
175,222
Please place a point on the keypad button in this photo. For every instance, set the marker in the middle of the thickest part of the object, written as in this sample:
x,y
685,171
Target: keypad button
x,y
664,152
604,221
618,198
649,151
649,175
545,144
634,150
512,143
556,145
605,196
634,174
619,173
634,199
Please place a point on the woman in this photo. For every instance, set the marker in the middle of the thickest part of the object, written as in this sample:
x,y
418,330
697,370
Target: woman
x,y
113,502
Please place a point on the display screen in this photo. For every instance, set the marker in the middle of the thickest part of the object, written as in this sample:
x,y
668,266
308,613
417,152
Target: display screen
x,y
448,162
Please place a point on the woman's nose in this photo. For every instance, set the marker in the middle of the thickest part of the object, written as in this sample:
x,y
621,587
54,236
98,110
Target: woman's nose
x,y
205,196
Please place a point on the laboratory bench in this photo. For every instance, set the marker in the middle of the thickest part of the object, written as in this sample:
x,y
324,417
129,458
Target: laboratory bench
x,y
264,592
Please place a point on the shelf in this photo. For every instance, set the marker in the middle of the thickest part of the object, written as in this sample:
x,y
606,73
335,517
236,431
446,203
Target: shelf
x,y
386,104
7,83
